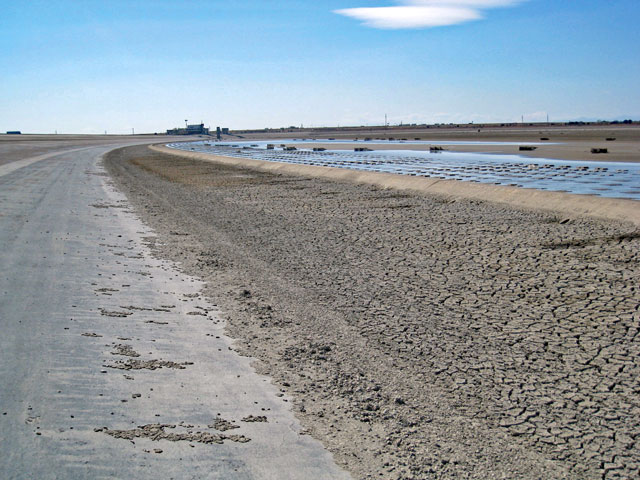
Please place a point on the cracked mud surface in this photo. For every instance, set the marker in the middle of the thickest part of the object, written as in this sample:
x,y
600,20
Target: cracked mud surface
x,y
419,337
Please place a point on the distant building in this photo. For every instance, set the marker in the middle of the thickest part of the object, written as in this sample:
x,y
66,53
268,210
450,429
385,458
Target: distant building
x,y
14,132
198,129
221,131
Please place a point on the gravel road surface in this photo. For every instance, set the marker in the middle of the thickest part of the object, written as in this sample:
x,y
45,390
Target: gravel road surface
x,y
112,364
419,337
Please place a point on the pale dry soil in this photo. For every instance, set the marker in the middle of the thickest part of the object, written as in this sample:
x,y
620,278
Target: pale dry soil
x,y
21,147
419,337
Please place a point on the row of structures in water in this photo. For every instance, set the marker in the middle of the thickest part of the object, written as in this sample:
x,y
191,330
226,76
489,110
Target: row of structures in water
x,y
610,179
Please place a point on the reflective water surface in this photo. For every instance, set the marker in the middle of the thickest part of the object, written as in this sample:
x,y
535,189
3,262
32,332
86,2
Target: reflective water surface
x,y
606,179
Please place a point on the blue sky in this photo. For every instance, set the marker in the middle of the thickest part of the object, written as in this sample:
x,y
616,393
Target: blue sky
x,y
87,66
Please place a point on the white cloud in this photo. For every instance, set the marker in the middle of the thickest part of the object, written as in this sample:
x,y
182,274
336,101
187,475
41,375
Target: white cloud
x,y
411,16
467,3
424,13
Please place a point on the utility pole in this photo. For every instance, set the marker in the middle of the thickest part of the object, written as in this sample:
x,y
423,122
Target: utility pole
x,y
133,132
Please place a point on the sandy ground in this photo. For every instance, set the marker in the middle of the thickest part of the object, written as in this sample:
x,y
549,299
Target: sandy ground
x,y
565,143
419,337
565,204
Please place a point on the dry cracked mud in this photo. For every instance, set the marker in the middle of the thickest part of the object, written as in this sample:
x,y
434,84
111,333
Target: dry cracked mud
x,y
146,365
419,337
157,432
223,425
114,313
124,350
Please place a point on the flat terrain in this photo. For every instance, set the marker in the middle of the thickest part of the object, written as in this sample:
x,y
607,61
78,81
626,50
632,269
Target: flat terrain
x,y
112,363
562,142
419,337
19,147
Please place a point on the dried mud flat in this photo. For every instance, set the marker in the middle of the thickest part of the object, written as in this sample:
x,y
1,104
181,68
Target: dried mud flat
x,y
419,337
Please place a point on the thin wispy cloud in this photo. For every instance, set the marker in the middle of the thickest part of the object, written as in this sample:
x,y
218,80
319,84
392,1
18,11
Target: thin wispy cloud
x,y
424,13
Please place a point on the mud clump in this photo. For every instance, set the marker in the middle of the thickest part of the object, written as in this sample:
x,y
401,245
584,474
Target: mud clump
x,y
147,365
223,425
114,313
125,350
255,419
156,432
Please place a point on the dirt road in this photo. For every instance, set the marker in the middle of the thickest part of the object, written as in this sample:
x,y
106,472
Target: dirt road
x,y
112,364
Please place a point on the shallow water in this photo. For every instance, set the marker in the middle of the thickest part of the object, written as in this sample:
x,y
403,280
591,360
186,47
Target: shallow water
x,y
378,141
605,179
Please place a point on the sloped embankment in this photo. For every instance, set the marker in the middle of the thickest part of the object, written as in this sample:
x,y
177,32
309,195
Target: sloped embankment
x,y
420,337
